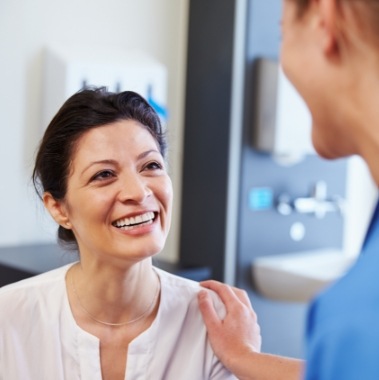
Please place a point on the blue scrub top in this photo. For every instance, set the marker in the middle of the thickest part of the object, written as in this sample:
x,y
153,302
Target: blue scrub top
x,y
343,322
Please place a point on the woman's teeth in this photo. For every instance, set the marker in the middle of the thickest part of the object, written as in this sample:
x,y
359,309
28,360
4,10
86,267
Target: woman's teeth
x,y
146,218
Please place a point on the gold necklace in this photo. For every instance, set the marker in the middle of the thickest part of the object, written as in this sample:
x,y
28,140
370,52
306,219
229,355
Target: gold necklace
x,y
146,312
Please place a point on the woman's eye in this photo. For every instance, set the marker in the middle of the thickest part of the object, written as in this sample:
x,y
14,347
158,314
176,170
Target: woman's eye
x,y
153,165
104,174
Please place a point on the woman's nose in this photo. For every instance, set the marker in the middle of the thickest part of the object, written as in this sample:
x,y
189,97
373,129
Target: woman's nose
x,y
134,189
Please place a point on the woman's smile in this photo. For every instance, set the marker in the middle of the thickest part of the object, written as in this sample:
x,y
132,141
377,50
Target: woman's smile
x,y
139,224
135,221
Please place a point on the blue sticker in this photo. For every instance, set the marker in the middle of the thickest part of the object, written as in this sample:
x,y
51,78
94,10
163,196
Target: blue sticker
x,y
261,198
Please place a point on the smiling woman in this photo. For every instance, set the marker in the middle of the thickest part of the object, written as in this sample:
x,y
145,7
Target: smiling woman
x,y
101,173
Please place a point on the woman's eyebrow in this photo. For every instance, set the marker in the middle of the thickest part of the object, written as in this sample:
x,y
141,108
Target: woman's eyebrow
x,y
106,161
144,154
115,163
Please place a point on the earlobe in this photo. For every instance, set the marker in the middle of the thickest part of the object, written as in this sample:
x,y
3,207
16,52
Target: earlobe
x,y
57,210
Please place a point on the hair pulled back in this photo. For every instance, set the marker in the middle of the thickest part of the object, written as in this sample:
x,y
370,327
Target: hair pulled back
x,y
86,109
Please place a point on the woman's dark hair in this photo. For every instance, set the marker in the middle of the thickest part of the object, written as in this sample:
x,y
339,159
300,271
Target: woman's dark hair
x,y
86,109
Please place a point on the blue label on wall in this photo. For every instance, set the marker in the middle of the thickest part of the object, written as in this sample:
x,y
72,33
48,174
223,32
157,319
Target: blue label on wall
x,y
260,198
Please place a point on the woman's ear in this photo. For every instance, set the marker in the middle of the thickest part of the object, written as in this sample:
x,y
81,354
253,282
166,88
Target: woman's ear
x,y
328,16
57,210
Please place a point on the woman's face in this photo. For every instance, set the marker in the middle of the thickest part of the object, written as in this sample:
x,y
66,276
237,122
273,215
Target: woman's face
x,y
307,66
119,196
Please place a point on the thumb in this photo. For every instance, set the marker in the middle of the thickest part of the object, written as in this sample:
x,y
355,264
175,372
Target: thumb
x,y
207,309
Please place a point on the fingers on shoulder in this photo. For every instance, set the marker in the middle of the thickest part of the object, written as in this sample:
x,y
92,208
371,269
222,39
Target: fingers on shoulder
x,y
235,299
207,308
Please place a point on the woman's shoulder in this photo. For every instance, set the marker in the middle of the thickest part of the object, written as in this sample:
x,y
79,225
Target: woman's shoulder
x,y
173,285
175,280
27,293
184,291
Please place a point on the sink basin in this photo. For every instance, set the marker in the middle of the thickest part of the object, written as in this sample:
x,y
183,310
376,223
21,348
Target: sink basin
x,y
298,277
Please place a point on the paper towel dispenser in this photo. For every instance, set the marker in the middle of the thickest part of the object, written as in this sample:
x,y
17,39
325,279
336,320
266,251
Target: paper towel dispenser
x,y
282,123
69,68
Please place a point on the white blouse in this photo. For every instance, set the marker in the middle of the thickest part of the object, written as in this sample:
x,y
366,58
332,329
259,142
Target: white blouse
x,y
40,340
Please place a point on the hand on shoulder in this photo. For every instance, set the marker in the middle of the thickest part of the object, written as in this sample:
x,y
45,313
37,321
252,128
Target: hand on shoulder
x,y
238,334
236,339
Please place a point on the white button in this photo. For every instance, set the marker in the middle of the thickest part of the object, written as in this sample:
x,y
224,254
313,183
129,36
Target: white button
x,y
297,231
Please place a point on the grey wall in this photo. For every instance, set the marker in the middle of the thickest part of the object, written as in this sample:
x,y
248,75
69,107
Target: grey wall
x,y
207,147
263,233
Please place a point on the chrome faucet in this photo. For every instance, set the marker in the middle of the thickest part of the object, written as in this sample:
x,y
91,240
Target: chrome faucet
x,y
317,204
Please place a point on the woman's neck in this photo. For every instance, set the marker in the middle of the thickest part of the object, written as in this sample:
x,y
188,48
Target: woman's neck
x,y
359,111
115,296
367,132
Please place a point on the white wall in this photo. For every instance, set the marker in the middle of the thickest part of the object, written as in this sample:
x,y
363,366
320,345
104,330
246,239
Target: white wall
x,y
157,27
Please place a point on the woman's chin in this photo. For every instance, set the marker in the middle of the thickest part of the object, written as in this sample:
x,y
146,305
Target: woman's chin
x,y
323,149
329,154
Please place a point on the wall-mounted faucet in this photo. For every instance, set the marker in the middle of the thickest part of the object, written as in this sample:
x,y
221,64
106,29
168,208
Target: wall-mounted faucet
x,y
317,204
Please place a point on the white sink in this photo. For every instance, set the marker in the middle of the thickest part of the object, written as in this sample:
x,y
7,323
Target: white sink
x,y
298,277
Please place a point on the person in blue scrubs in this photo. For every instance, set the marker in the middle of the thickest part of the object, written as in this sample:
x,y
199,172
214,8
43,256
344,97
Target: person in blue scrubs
x,y
337,41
